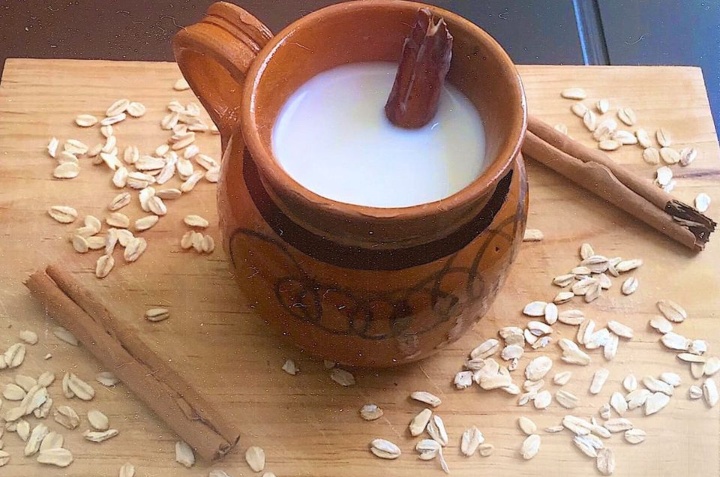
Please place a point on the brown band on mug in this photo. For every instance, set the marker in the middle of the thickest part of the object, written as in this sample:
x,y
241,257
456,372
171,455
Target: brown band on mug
x,y
361,258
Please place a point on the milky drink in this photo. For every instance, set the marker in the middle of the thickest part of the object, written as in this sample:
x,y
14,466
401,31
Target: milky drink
x,y
332,137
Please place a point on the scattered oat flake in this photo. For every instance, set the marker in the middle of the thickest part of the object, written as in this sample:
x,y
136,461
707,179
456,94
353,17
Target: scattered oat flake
x,y
590,120
609,145
57,457
533,235
485,349
687,156
29,337
530,447
255,457
697,370
383,449
673,379
710,392
146,222
486,450
563,297
118,219
702,202
371,412
419,422
627,115
104,266
618,424
629,286
118,107
620,329
52,147
64,335
98,420
196,221
605,461
426,397
564,280
572,354
579,109
290,367
535,309
429,449
106,378
692,358
538,368
602,106
598,380
562,378
80,388
656,402
63,213
85,120
663,137
542,400
661,324
573,93
128,470
342,377
672,311
470,441
436,429
13,392
157,314
15,355
181,85
635,436
463,379
134,249
208,244
136,109
586,445
527,425
571,317
184,454
695,392
52,440
75,147
711,366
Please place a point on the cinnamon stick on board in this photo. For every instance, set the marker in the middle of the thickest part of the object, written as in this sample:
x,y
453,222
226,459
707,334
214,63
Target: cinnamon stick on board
x,y
174,400
599,174
421,73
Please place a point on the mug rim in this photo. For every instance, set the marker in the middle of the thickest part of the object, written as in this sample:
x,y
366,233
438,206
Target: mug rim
x,y
270,167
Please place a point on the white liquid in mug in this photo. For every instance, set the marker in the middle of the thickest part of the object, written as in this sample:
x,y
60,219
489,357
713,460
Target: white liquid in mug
x,y
332,137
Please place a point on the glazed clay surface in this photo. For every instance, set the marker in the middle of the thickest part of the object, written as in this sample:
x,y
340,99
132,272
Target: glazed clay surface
x,y
354,284
334,307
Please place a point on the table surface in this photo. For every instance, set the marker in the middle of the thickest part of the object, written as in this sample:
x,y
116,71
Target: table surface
x,y
618,32
308,425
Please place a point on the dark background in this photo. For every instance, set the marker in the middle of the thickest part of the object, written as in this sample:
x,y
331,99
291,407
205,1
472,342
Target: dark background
x,y
614,32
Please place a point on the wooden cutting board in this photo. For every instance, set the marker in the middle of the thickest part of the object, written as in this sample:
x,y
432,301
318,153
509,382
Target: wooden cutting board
x,y
308,425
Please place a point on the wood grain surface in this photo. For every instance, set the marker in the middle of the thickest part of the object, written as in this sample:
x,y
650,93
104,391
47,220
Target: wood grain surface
x,y
307,424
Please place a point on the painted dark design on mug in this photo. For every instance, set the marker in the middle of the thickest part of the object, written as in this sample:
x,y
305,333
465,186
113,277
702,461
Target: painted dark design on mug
x,y
388,314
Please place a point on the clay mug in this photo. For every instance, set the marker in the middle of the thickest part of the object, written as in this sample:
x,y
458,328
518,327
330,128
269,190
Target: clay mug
x,y
358,285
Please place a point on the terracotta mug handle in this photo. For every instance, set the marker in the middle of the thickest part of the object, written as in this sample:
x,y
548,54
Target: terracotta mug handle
x,y
214,55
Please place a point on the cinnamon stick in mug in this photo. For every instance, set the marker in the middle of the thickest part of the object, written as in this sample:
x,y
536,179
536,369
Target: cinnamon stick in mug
x,y
425,61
